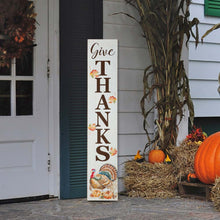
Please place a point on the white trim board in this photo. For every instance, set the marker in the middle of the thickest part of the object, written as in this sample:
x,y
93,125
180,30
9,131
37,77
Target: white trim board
x,y
54,98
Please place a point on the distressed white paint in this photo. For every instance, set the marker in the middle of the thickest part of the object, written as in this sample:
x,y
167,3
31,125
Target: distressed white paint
x,y
204,65
102,120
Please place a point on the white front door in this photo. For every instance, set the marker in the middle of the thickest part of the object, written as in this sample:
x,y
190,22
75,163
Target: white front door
x,y
24,119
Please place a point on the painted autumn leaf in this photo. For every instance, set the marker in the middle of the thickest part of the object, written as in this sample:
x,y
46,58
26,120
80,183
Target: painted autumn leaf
x,y
113,151
92,127
94,73
112,99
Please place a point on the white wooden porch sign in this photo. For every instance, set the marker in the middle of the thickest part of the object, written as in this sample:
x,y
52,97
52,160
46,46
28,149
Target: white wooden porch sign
x,y
102,178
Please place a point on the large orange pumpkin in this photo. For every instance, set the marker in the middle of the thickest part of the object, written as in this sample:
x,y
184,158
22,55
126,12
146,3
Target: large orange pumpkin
x,y
207,159
156,156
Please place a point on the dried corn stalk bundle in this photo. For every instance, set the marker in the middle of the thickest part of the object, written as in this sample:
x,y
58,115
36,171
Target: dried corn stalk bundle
x,y
166,25
215,194
183,158
150,180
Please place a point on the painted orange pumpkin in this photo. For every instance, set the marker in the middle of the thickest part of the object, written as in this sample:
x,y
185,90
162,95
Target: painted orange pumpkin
x,y
192,178
207,159
156,156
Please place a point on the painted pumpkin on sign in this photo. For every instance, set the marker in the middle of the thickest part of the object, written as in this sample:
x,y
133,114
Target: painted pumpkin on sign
x,y
156,156
207,159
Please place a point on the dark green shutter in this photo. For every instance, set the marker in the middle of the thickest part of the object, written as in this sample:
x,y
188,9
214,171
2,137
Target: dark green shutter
x,y
79,21
212,8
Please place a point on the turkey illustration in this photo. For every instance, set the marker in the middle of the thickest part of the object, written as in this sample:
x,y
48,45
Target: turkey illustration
x,y
104,179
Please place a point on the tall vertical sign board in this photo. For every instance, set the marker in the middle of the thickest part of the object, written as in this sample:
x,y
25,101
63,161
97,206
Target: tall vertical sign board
x,y
102,181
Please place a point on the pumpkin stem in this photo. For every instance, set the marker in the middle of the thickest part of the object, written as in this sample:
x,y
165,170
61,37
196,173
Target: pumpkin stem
x,y
157,148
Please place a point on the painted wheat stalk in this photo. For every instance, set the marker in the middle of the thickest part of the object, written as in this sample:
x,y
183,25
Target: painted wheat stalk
x,y
166,25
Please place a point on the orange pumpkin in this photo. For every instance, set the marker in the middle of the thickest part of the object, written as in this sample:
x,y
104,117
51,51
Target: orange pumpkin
x,y
156,156
207,159
192,178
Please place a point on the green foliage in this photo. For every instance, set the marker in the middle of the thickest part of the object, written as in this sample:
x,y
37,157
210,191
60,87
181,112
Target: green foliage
x,y
167,28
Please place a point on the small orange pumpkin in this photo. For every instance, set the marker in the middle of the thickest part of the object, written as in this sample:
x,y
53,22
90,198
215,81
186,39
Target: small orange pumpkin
x,y
192,178
156,156
207,159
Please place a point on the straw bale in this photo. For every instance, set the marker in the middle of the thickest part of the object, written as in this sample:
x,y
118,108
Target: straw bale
x,y
215,194
183,158
150,180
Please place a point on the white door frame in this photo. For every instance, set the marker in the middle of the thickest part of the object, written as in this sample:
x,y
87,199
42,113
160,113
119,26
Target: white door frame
x,y
54,98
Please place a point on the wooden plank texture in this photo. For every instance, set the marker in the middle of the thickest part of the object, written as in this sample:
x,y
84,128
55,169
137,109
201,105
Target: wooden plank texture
x,y
204,89
195,190
204,65
128,36
204,70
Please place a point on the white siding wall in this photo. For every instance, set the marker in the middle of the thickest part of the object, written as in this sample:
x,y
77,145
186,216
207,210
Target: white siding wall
x,y
204,65
133,59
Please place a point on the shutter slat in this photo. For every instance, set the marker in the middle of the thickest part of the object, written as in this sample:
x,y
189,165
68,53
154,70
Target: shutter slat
x,y
79,21
212,8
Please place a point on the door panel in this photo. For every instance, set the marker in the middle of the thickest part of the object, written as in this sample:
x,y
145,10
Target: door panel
x,y
24,119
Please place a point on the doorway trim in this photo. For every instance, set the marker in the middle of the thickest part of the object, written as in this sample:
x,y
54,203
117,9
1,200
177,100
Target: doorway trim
x,y
54,98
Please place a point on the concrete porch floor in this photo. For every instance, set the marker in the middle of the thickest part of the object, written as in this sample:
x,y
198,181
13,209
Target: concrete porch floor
x,y
125,209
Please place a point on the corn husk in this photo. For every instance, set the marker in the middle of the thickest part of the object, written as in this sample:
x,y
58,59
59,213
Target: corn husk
x,y
167,29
